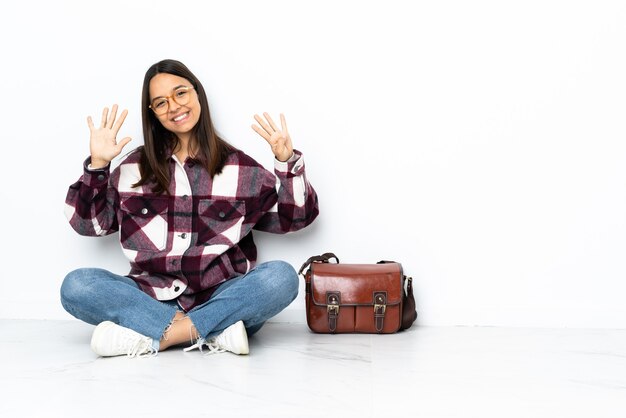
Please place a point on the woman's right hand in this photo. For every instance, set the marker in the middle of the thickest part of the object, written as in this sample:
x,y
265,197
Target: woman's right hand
x,y
103,143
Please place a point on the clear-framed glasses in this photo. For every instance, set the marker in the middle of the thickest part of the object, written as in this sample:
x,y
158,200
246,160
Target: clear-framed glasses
x,y
180,95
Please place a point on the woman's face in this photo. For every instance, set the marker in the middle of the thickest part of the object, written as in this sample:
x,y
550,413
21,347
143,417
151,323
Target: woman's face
x,y
167,92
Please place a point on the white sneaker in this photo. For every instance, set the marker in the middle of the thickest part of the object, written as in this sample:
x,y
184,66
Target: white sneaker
x,y
110,339
233,339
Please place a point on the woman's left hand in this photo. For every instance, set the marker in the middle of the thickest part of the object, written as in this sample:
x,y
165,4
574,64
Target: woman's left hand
x,y
279,139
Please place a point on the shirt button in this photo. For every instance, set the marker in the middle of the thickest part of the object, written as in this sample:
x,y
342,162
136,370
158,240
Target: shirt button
x,y
183,235
176,289
185,197
101,177
222,214
174,262
144,211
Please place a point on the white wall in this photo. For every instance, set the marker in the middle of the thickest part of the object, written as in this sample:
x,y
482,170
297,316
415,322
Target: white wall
x,y
479,143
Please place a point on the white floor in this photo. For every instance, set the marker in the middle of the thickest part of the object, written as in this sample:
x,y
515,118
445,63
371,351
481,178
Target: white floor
x,y
48,370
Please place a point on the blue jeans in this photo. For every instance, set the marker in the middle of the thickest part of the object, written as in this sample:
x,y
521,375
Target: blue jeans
x,y
96,295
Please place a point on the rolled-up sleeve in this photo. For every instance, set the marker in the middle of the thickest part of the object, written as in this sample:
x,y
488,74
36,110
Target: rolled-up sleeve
x,y
296,205
90,203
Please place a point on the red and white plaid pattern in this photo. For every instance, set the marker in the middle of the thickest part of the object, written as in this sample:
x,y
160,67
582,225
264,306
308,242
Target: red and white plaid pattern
x,y
183,245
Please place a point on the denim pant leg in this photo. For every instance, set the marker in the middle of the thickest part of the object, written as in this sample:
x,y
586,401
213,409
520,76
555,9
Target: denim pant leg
x,y
96,295
253,298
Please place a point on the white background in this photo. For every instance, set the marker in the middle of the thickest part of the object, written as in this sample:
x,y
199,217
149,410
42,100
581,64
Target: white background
x,y
480,143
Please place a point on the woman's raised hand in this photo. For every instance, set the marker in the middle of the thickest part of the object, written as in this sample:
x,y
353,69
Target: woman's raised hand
x,y
279,139
103,143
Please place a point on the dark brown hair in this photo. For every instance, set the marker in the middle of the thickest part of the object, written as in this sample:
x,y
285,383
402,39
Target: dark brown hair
x,y
159,142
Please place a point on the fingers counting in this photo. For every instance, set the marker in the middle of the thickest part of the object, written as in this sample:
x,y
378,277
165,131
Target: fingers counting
x,y
278,138
268,128
104,145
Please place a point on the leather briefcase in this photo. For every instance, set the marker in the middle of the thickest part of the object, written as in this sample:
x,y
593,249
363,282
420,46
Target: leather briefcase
x,y
357,298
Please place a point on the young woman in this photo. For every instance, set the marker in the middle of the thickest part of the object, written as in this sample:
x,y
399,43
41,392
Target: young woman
x,y
185,204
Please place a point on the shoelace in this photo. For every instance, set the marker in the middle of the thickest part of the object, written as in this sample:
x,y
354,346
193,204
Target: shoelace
x,y
141,348
212,345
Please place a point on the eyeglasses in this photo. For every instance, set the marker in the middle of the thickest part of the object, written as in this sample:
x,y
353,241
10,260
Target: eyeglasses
x,y
181,95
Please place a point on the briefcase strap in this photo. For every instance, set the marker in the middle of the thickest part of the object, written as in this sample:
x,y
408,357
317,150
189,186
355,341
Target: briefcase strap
x,y
380,306
333,304
324,258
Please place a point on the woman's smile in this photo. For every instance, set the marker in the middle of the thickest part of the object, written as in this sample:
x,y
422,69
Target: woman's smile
x,y
181,118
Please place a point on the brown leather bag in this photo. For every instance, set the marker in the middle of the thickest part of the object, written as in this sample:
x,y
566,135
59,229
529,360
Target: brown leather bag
x,y
357,298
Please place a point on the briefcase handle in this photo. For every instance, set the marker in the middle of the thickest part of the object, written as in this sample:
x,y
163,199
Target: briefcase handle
x,y
324,258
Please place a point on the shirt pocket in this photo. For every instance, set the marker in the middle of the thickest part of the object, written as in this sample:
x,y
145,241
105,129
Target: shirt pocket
x,y
144,223
220,221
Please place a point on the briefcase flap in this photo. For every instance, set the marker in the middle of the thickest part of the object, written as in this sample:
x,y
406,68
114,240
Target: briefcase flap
x,y
356,284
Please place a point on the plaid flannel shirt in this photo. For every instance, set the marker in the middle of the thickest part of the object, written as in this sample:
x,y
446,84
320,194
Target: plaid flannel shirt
x,y
182,245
